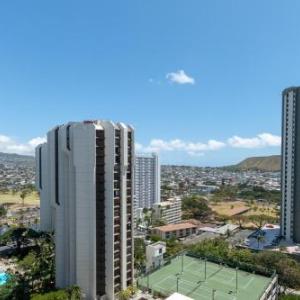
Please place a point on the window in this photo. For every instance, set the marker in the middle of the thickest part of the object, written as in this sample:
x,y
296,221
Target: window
x,y
68,137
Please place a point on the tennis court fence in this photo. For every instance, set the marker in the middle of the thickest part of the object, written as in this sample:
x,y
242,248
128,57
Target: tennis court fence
x,y
250,268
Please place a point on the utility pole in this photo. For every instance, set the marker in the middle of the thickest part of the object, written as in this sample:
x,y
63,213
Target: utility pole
x,y
205,268
236,278
148,281
177,283
213,294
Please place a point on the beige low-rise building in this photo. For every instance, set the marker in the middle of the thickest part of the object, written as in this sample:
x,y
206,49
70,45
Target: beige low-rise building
x,y
175,230
168,211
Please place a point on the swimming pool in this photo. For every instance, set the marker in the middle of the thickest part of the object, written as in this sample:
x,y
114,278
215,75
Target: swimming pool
x,y
3,278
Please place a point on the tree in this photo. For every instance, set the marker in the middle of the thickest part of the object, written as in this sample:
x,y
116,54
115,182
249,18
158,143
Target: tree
x,y
147,220
260,220
288,269
240,219
139,253
62,294
289,297
74,292
159,222
23,195
124,294
36,269
138,222
17,287
226,192
19,235
154,238
173,247
259,238
3,211
195,207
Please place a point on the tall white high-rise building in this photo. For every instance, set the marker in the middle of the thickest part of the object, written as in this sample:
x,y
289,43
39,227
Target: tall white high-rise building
x,y
290,167
85,178
147,180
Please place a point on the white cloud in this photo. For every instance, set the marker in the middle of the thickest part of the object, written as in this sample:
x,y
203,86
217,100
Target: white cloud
x,y
9,145
195,154
192,149
197,149
36,141
180,77
260,141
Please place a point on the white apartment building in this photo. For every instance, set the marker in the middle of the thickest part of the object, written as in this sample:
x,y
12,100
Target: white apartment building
x,y
147,180
155,255
85,179
290,167
169,211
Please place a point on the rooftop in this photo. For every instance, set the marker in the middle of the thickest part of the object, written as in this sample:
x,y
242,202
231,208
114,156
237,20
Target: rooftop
x,y
177,296
158,245
173,227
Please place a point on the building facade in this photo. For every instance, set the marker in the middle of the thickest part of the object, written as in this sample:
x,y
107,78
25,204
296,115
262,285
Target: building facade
x,y
155,255
147,180
168,211
290,166
85,175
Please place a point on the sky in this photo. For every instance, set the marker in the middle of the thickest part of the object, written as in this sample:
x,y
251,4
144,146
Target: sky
x,y
200,80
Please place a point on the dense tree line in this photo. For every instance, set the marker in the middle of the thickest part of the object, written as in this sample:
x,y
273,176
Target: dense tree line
x,y
246,192
288,269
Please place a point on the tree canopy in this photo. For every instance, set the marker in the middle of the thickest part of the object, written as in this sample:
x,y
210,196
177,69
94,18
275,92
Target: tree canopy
x,y
195,207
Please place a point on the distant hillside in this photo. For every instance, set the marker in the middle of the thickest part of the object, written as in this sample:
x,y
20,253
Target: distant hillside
x,y
264,163
16,171
12,158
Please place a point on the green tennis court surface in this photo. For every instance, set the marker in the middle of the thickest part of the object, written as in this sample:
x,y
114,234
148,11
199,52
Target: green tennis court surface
x,y
191,282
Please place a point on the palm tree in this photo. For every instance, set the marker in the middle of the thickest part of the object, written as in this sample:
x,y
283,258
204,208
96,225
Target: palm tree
x,y
228,233
260,238
74,292
23,195
3,213
124,294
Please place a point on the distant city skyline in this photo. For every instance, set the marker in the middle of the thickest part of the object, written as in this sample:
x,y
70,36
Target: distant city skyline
x,y
200,82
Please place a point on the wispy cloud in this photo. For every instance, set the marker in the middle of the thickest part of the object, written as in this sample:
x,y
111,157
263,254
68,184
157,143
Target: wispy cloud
x,y
180,77
154,81
10,145
197,149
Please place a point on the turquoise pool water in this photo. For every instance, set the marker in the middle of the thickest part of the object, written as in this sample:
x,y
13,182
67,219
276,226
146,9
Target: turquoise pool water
x,y
3,278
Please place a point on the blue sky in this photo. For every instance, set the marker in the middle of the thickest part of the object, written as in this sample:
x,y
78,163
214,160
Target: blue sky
x,y
182,72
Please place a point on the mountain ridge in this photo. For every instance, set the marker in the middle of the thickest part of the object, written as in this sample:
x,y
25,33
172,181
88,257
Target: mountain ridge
x,y
270,163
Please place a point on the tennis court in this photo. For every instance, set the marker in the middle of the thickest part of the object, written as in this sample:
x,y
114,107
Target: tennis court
x,y
220,282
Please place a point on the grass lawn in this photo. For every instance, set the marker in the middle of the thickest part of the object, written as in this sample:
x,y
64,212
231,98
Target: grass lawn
x,y
231,208
31,199
192,281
